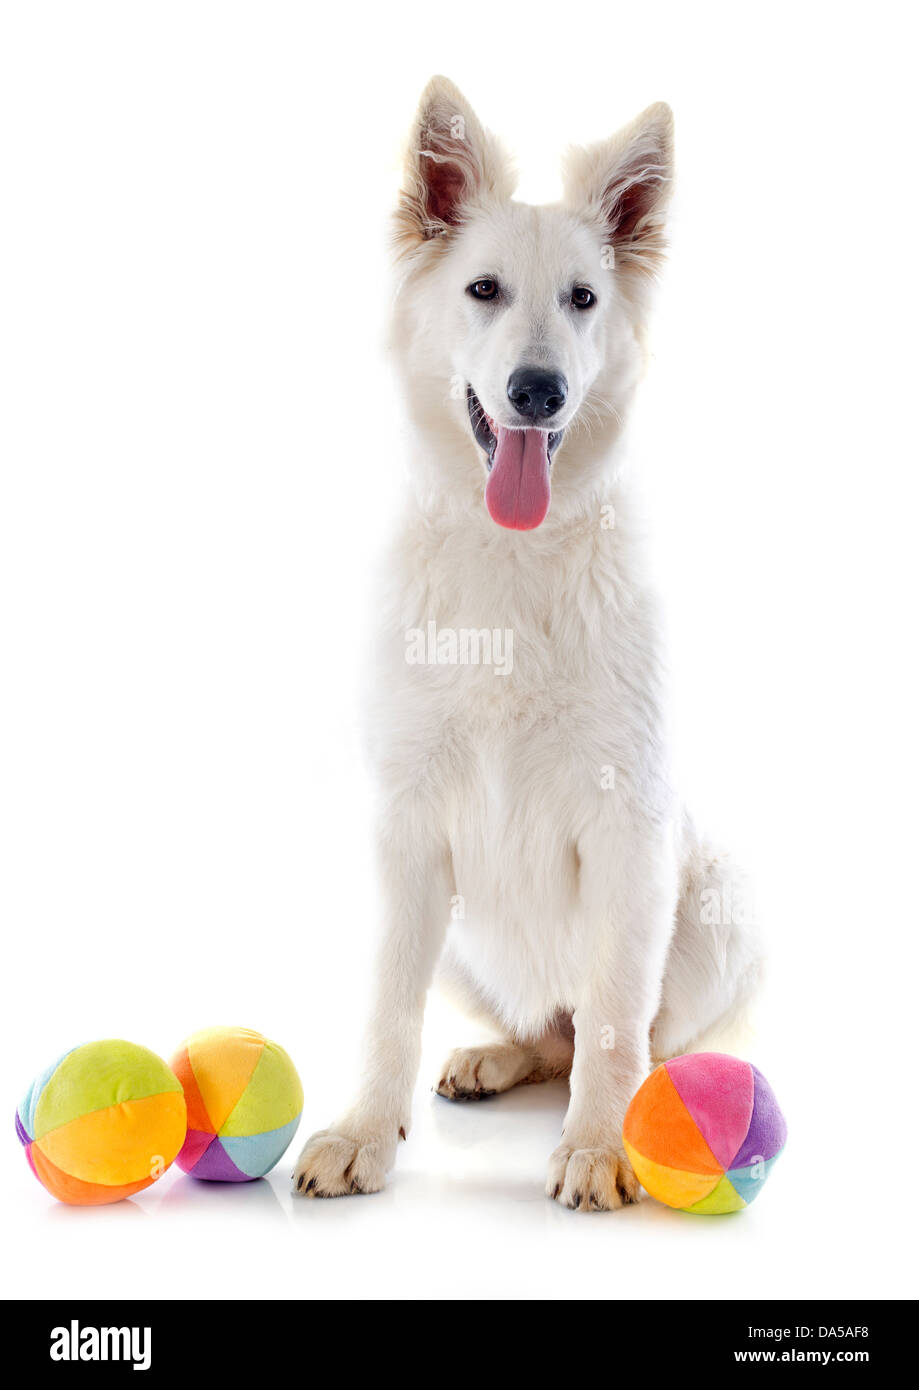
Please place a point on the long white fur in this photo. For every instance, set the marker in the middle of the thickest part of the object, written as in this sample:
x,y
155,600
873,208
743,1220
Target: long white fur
x,y
532,847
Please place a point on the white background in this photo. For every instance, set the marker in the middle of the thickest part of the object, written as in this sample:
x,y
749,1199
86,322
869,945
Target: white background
x,y
200,454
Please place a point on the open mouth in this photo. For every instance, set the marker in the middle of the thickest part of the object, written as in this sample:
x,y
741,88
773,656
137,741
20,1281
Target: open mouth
x,y
518,461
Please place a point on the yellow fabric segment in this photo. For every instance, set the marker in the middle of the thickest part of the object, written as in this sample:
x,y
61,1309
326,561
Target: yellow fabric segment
x,y
671,1186
121,1144
273,1097
724,1198
223,1060
97,1075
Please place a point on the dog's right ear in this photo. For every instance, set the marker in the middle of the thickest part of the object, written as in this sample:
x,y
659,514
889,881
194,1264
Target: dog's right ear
x,y
451,163
623,185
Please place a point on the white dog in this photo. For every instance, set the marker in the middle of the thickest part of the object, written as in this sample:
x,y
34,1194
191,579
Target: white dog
x,y
532,849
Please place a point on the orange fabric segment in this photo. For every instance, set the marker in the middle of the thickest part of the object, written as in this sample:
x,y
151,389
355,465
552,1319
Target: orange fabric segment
x,y
198,1117
222,1066
660,1127
120,1144
77,1193
670,1185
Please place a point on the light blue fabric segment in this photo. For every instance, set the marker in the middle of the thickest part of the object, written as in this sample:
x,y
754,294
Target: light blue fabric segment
x,y
749,1181
256,1154
29,1103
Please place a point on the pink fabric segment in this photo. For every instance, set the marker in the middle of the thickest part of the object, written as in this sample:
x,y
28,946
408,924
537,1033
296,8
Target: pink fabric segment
x,y
718,1096
196,1142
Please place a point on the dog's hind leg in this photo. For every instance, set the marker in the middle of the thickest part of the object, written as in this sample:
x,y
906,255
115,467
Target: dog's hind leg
x,y
714,967
472,1073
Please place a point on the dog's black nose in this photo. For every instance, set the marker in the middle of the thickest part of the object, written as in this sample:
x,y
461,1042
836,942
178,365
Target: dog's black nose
x,y
535,393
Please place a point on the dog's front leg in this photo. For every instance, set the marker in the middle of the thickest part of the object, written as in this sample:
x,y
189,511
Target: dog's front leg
x,y
355,1154
629,893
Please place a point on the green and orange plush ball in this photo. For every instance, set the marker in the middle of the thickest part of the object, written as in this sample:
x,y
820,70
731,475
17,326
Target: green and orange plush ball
x,y
108,1118
102,1122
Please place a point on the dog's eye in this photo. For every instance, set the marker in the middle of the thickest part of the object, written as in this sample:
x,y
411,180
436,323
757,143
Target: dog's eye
x,y
582,297
483,289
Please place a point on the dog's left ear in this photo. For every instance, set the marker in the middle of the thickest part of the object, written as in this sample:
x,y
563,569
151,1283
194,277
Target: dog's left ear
x,y
451,164
623,184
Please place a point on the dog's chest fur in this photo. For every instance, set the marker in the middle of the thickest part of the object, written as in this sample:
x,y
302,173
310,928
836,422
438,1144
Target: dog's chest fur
x,y
516,766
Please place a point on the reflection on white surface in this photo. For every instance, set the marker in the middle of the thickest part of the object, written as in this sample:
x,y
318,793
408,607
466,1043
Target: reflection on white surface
x,y
91,1219
221,1201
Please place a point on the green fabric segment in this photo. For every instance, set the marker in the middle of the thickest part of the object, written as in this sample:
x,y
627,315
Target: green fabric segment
x,y
97,1075
723,1198
272,1098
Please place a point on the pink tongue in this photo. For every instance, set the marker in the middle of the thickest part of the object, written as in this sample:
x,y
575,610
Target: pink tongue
x,y
517,492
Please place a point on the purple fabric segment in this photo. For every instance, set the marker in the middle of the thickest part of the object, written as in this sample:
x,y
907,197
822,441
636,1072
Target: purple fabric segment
x,y
21,1132
216,1165
768,1131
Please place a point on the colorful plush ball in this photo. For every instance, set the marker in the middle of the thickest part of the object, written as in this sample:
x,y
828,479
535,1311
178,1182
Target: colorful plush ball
x,y
104,1121
244,1100
703,1132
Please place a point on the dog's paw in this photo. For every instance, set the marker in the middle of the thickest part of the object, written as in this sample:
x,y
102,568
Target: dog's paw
x,y
336,1163
472,1073
591,1179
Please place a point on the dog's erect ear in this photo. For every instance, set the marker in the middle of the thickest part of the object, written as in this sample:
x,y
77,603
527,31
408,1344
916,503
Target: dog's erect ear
x,y
624,185
451,164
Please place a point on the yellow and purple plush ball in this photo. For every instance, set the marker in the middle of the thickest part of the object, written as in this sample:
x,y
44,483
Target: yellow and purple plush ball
x,y
102,1122
703,1133
244,1101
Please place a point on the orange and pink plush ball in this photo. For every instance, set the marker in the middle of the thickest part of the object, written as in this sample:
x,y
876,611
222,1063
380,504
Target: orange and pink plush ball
x,y
704,1132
